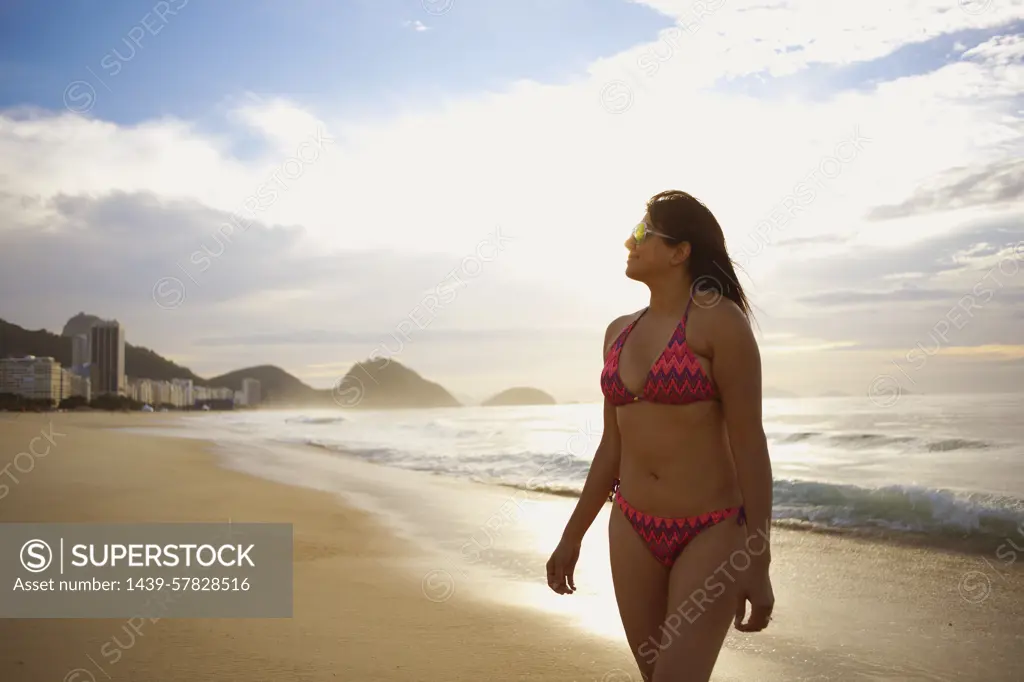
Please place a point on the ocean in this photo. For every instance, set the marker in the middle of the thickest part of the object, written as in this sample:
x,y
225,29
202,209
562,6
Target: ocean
x,y
947,468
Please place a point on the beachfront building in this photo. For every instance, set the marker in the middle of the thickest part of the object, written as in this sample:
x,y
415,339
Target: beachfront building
x,y
168,393
175,393
74,384
140,390
206,394
80,354
107,353
84,371
187,392
251,392
31,377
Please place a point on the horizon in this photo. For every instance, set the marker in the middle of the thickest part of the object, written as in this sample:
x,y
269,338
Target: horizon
x,y
321,183
471,400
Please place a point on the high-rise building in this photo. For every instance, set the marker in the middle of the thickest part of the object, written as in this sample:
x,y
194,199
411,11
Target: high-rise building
x,y
161,393
203,394
107,354
188,398
74,385
32,377
80,350
251,392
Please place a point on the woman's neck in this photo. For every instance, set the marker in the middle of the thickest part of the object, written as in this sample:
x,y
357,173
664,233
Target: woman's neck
x,y
670,296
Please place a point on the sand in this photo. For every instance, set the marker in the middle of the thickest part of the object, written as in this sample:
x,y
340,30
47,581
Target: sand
x,y
847,609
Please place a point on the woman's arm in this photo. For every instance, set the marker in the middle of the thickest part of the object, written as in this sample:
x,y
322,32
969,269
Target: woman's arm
x,y
603,472
736,367
605,467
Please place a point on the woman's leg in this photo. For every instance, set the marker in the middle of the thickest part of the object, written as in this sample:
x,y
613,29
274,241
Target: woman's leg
x,y
701,604
641,590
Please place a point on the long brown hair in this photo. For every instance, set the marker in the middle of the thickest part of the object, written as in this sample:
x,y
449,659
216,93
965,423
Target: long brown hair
x,y
687,219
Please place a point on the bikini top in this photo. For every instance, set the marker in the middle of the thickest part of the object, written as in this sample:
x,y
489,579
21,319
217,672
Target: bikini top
x,y
676,378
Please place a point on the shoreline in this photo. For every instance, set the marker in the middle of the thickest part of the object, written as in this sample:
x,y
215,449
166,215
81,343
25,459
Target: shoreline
x,y
970,546
897,500
366,544
947,536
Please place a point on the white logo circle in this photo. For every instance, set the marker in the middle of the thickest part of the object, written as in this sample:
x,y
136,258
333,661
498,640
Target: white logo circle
x,y
348,391
616,97
79,97
36,556
438,586
707,283
437,7
884,391
169,292
79,674
975,587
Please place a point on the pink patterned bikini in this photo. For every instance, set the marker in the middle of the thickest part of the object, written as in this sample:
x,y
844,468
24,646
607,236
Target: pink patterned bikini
x,y
676,378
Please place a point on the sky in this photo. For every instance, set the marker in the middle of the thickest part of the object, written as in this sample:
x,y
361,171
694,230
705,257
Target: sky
x,y
450,183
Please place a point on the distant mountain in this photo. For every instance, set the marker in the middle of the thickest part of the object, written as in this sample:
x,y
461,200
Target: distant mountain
x,y
79,324
387,384
276,386
16,341
520,396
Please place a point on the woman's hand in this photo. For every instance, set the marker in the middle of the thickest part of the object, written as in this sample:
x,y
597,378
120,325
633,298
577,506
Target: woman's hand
x,y
561,566
756,587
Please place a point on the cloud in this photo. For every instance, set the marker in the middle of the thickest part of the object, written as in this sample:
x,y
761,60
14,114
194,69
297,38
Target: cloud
x,y
416,25
741,37
1000,183
969,282
814,241
902,295
808,347
993,352
1004,51
957,257
992,71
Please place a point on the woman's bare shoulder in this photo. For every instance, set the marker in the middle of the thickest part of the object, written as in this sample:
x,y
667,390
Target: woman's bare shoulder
x,y
616,326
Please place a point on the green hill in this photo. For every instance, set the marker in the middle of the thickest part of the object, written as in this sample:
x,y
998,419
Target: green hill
x,y
79,324
277,387
386,384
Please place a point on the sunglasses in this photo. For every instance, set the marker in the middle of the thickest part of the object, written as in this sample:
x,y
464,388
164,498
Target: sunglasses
x,y
641,231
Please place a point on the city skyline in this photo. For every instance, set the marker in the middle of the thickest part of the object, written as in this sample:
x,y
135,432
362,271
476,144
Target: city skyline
x,y
98,369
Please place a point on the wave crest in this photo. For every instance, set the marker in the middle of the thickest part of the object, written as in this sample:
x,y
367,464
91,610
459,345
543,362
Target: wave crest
x,y
315,420
853,441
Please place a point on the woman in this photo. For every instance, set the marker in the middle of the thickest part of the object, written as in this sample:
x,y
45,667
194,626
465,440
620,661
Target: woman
x,y
689,533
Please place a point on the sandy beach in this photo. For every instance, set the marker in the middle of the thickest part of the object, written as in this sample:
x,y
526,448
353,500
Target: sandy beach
x,y
847,609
